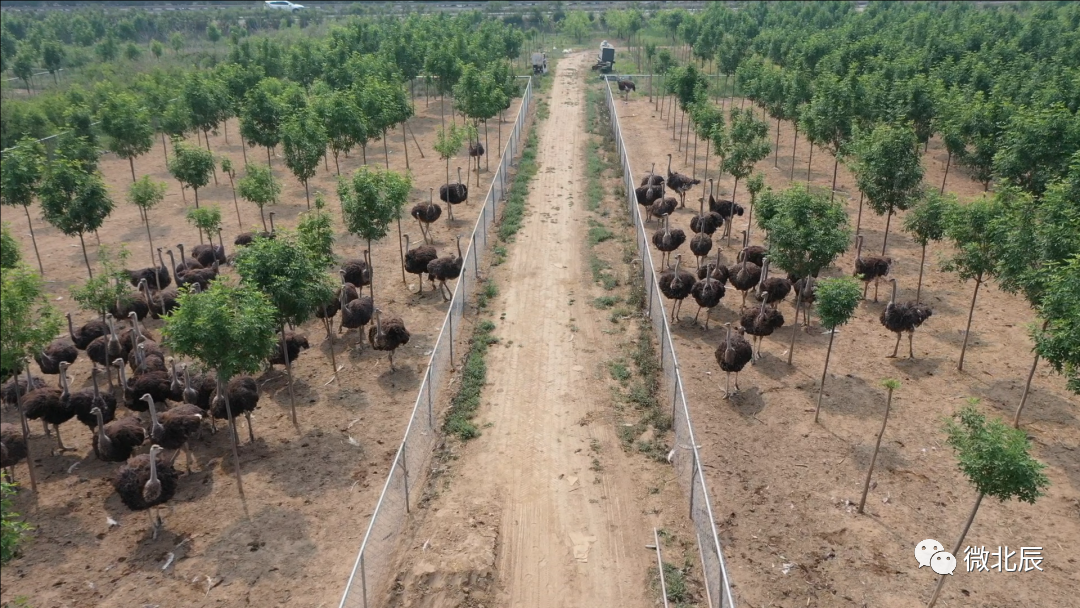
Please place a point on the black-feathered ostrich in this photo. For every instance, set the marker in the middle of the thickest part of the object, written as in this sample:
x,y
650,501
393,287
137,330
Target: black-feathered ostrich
x,y
626,85
426,214
417,260
86,334
773,288
246,238
56,352
154,276
445,268
714,269
700,246
295,343
667,240
103,350
243,393
806,295
145,482
454,194
761,323
900,318
84,402
707,293
388,334
172,428
115,441
355,312
706,223
754,253
208,254
727,210
733,354
680,183
157,383
357,272
51,406
663,205
649,190
161,302
743,277
16,387
676,284
12,448
871,268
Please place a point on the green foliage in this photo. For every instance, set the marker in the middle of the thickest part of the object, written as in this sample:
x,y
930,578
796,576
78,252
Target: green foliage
x,y
477,94
890,383
12,528
464,404
28,321
1035,147
192,166
292,279
127,123
73,201
262,114
20,173
213,32
132,52
9,248
806,231
99,294
229,328
748,143
514,210
52,55
688,85
258,186
206,100
448,142
304,141
576,25
995,457
206,219
157,49
968,227
1059,341
342,121
827,119
315,233
925,222
373,199
176,41
146,193
888,168
383,104
836,300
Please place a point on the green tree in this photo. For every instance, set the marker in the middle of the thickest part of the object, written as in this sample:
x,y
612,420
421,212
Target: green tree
x,y
1035,147
191,166
748,143
304,141
443,66
207,103
384,105
108,49
206,220
127,124
342,121
52,55
827,118
448,144
890,385
146,193
74,202
176,41
101,293
21,170
10,255
968,227
227,328
230,171
157,49
836,300
925,222
23,66
315,233
888,170
293,280
996,460
132,52
262,114
371,200
1059,339
213,33
13,527
576,25
259,186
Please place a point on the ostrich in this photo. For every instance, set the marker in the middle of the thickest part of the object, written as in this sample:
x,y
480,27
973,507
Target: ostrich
x,y
84,402
727,210
355,313
706,223
454,194
663,205
171,428
900,318
105,349
417,260
55,353
207,254
158,384
115,441
754,253
87,333
158,276
871,268
147,357
707,293
186,263
444,269
14,448
650,190
243,395
388,335
160,303
476,151
744,277
667,240
652,179
199,392
357,272
294,343
199,276
176,386
701,245
806,293
775,288
134,335
145,482
426,214
246,238
16,386
130,302
50,405
626,86
680,183
714,270
762,322
676,284
733,354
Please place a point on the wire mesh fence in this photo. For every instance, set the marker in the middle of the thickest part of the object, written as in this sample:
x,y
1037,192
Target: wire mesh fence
x,y
408,473
685,457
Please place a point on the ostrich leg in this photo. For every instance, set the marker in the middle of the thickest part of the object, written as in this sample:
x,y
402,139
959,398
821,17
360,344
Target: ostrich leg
x,y
736,383
60,442
698,314
251,432
727,386
896,347
876,281
866,287
910,348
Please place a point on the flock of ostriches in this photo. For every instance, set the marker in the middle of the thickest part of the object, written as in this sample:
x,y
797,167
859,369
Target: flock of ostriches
x,y
149,479
750,274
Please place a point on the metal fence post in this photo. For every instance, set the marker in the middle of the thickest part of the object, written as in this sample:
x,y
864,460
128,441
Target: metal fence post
x,y
405,468
475,262
675,394
430,406
363,579
693,477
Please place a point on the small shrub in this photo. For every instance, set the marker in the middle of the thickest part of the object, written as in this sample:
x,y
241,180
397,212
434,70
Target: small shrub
x,y
464,404
13,528
605,302
619,371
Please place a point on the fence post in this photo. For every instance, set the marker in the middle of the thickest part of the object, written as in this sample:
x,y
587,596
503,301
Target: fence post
x,y
405,468
450,320
675,394
430,407
475,263
693,477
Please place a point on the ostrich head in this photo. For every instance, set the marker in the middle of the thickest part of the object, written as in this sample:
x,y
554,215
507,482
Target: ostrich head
x,y
892,298
858,247
431,198
406,242
152,489
458,239
153,411
272,214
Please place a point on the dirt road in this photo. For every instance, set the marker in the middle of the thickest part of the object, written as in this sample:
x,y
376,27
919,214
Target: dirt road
x,y
532,516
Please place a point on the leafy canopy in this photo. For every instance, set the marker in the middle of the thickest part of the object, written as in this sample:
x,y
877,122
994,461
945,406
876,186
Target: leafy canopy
x,y
72,200
146,192
28,321
283,269
1059,342
995,457
20,172
262,113
304,141
315,233
127,123
806,231
448,142
968,227
836,300
10,253
191,165
925,222
258,186
887,167
206,219
748,143
373,199
100,293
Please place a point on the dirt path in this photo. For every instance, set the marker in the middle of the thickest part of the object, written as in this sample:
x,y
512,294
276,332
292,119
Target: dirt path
x,y
547,523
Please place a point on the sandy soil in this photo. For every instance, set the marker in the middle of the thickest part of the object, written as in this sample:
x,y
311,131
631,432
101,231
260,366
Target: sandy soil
x,y
783,486
309,493
544,508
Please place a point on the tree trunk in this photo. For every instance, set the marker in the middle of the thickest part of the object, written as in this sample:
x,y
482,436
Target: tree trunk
x,y
164,148
243,148
959,542
307,195
221,389
288,370
705,171
500,131
1027,385
809,163
401,254
776,148
416,143
442,111
795,324
26,436
832,194
330,335
225,125
386,152
693,171
131,162
213,167
405,144
821,391
33,239
873,459
196,197
922,266
487,146
86,258
971,313
730,227
885,241
263,216
794,145
146,221
858,220
236,204
948,161
371,285
337,167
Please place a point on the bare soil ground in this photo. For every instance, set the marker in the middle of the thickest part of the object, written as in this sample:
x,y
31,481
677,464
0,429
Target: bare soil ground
x,y
783,486
545,509
309,493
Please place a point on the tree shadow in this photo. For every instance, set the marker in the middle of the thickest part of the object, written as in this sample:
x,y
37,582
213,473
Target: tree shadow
x,y
748,402
1064,457
310,464
773,364
1042,405
851,396
889,458
281,535
955,337
917,367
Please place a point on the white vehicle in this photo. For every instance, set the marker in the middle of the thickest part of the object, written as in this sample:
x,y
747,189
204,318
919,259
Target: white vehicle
x,y
284,5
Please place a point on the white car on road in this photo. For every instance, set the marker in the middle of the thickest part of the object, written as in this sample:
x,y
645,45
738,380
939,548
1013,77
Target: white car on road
x,y
284,5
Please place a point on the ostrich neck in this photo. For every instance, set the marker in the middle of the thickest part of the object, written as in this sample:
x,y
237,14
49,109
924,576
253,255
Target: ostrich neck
x,y
378,325
71,328
459,247
152,485
64,382
103,439
153,414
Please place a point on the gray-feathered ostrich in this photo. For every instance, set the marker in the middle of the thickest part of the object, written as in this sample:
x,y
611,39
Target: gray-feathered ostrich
x,y
243,394
106,349
186,263
246,238
454,194
160,302
115,441
476,151
417,260
676,284
706,223
145,482
388,335
172,428
650,189
743,277
84,402
51,406
444,269
900,318
12,448
714,269
775,289
663,205
754,253
208,254
871,268
426,214
761,323
806,295
727,210
733,354
680,183
707,293
626,85
667,240
355,313
86,333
